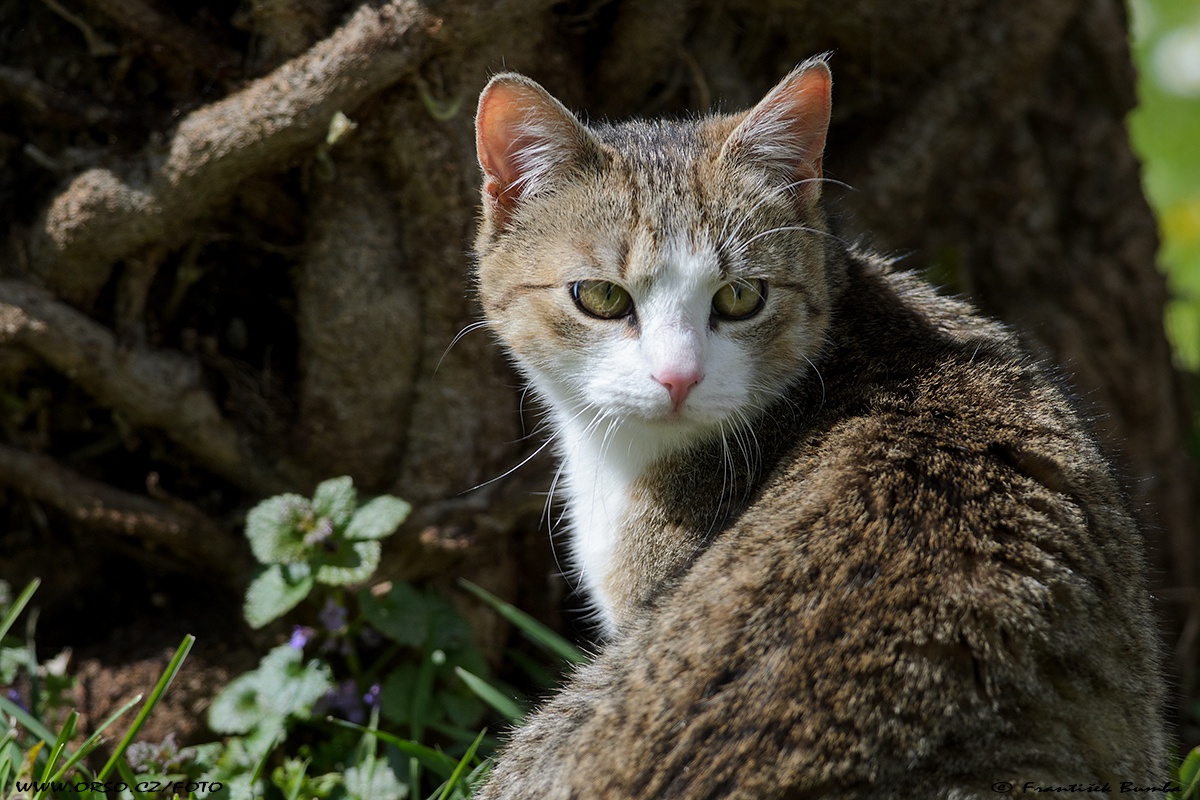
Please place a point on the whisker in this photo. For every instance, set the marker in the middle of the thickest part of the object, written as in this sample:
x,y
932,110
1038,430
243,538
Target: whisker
x,y
474,326
510,471
819,378
783,229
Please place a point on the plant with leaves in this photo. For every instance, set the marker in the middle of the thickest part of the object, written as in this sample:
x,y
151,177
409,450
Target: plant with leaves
x,y
306,721
327,540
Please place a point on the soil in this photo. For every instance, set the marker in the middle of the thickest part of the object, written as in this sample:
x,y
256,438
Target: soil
x,y
121,622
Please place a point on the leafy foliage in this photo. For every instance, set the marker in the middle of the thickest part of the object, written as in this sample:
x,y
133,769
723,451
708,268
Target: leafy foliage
x,y
384,651
305,723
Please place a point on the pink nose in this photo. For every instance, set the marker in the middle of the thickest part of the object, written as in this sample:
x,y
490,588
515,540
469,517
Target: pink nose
x,y
678,384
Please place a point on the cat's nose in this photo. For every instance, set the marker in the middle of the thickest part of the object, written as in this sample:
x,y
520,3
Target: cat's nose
x,y
678,383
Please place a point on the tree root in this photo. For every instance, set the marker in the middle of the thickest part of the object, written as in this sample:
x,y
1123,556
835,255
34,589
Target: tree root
x,y
171,42
178,528
158,389
106,215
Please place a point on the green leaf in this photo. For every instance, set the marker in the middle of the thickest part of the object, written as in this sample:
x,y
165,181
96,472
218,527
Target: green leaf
x,y
422,694
463,710
11,660
337,500
352,562
289,686
14,611
164,681
436,760
401,614
282,687
492,696
378,518
447,628
236,708
292,778
276,528
463,763
275,591
1189,776
536,631
371,777
395,695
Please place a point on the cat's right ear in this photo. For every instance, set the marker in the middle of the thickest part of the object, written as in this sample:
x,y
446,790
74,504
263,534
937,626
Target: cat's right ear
x,y
526,141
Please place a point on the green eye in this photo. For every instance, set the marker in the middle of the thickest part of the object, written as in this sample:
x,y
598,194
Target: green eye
x,y
603,299
741,299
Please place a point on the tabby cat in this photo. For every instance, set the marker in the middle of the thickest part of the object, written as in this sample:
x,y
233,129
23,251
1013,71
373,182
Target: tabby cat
x,y
843,537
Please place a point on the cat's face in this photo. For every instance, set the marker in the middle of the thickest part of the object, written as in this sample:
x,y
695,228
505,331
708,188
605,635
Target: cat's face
x,y
669,276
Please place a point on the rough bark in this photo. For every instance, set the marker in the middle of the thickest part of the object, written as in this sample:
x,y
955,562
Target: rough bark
x,y
258,306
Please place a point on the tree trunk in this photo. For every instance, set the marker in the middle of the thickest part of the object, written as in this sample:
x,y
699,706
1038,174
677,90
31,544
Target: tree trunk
x,y
210,296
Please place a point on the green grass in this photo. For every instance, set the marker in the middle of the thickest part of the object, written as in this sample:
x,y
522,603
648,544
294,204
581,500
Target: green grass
x,y
46,757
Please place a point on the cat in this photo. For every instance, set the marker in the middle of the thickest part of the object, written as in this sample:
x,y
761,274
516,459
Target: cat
x,y
843,537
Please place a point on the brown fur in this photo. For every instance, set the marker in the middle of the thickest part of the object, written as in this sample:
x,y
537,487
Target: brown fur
x,y
926,582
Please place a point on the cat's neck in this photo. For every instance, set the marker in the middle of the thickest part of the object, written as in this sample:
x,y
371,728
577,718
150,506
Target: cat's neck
x,y
604,462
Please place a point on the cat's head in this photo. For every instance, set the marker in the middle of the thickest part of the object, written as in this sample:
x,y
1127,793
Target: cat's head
x,y
669,275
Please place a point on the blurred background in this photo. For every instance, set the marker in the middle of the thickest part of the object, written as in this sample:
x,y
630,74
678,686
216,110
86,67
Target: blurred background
x,y
1166,133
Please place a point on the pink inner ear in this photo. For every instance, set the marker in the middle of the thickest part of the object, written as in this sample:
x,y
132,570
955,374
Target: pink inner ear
x,y
786,130
497,127
806,106
524,138
497,140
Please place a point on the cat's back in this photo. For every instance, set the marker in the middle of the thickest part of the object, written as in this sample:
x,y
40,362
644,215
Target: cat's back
x,y
936,589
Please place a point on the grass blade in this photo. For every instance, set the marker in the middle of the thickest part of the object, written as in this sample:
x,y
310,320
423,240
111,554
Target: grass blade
x,y
18,606
492,696
163,682
60,743
92,741
294,792
462,765
27,720
436,760
536,631
132,780
419,709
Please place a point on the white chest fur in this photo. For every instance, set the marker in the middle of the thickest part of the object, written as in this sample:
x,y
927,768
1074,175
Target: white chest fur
x,y
600,467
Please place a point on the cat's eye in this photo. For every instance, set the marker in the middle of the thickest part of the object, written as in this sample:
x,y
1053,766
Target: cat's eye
x,y
603,299
740,300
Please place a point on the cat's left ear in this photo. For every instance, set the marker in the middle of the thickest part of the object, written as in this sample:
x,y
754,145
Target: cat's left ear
x,y
527,143
785,132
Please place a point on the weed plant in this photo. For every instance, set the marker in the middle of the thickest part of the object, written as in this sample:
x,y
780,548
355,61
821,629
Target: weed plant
x,y
382,696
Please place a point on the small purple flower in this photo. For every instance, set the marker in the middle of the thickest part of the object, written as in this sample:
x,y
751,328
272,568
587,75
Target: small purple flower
x,y
344,699
371,698
300,636
333,617
15,696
